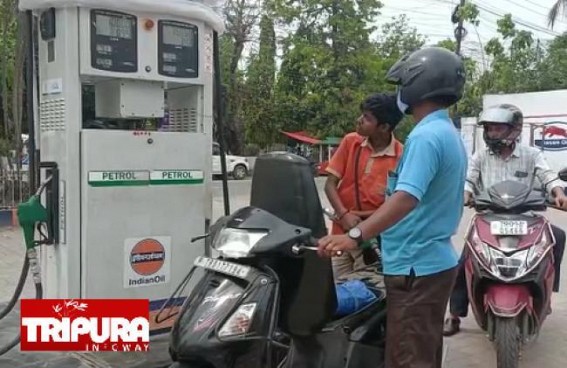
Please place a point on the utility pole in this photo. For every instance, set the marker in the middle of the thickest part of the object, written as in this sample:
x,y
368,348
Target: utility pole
x,y
460,33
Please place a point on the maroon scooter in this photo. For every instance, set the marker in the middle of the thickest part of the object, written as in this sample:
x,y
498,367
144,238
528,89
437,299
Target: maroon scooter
x,y
509,266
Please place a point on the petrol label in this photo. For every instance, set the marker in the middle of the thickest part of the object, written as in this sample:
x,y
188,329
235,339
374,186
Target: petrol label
x,y
137,178
170,177
118,178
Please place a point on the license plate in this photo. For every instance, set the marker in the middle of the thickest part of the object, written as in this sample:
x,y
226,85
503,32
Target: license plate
x,y
509,228
228,268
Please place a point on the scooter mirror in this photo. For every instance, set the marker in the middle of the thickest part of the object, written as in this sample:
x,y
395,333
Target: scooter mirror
x,y
219,224
563,174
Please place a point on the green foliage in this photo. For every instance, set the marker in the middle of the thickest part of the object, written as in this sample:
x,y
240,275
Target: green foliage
x,y
251,149
330,64
313,62
259,108
8,42
469,13
5,147
404,128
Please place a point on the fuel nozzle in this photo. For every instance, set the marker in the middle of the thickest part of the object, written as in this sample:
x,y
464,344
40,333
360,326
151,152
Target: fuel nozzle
x,y
30,213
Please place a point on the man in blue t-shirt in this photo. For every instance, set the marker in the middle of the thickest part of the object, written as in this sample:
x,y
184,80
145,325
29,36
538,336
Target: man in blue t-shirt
x,y
423,210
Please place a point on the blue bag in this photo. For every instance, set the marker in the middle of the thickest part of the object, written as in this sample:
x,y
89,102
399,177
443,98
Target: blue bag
x,y
352,296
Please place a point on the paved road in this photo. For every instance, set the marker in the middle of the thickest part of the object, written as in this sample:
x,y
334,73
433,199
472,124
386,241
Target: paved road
x,y
470,349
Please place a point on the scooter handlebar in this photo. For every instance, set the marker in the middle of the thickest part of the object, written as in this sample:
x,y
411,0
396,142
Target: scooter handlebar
x,y
309,245
300,249
201,237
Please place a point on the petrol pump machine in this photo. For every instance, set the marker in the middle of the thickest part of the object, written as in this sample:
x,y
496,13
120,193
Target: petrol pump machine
x,y
132,185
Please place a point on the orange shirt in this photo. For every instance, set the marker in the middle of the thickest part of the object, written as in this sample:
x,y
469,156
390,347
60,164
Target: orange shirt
x,y
373,168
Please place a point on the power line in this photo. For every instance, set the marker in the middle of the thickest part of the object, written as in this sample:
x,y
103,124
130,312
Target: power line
x,y
491,24
413,10
536,4
518,21
523,7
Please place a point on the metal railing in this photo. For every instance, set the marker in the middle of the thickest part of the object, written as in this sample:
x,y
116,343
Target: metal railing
x,y
14,187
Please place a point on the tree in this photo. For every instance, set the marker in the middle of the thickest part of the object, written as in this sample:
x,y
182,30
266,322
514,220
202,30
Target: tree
x,y
514,68
7,59
553,67
398,38
259,108
241,18
12,62
557,9
328,63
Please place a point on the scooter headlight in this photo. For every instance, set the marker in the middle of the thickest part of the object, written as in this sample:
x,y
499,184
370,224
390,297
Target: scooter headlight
x,y
237,243
499,264
518,264
535,252
239,322
480,248
509,267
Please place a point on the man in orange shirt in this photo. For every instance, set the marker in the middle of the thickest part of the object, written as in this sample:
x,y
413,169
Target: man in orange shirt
x,y
358,173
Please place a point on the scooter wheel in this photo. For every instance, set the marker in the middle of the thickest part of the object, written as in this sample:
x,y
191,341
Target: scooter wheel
x,y
507,341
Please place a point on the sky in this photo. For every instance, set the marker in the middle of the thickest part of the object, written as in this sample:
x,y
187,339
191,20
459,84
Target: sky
x,y
433,19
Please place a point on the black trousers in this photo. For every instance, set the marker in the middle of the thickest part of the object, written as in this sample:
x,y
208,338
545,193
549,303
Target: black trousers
x,y
459,302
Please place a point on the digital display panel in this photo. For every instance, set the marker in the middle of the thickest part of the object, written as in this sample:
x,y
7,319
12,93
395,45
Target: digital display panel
x,y
114,41
178,49
114,26
178,36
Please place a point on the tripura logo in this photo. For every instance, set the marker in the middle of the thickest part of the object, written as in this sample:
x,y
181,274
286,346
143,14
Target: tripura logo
x,y
85,325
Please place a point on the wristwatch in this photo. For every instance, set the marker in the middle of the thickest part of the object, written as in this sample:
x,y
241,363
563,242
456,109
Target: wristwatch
x,y
355,234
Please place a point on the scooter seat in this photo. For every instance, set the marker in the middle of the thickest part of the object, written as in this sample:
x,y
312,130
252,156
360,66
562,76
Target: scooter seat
x,y
354,320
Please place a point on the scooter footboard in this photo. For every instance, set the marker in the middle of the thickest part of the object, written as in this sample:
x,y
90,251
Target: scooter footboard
x,y
333,349
316,352
365,356
508,300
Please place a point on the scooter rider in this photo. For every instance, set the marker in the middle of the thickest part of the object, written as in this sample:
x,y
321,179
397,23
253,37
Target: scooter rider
x,y
504,159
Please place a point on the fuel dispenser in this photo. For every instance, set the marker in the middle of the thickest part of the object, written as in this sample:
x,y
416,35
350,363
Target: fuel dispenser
x,y
127,190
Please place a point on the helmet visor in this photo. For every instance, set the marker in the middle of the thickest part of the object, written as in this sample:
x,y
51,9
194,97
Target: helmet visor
x,y
497,115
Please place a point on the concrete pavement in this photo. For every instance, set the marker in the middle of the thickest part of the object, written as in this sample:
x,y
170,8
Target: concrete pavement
x,y
469,349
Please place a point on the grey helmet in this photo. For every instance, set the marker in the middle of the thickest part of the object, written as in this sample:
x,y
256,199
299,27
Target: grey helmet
x,y
506,114
428,73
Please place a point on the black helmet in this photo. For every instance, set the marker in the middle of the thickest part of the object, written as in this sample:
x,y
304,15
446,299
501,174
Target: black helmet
x,y
505,114
428,73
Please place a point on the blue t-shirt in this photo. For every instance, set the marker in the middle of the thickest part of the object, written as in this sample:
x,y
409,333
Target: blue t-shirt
x,y
433,170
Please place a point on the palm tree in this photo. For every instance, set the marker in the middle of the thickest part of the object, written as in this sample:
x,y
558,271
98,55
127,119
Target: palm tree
x,y
555,11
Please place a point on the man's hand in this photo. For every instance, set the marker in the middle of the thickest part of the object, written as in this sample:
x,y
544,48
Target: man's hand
x,y
561,199
334,245
349,220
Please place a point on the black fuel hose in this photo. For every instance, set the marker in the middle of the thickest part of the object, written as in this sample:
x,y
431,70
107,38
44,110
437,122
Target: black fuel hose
x,y
19,289
16,340
31,260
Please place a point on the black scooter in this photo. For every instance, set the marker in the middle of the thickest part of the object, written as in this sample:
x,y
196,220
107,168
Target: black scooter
x,y
269,300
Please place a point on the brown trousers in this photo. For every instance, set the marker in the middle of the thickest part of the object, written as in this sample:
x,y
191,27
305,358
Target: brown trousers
x,y
416,309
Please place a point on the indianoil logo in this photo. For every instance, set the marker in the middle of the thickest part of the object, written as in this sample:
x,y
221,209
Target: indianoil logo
x,y
147,257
